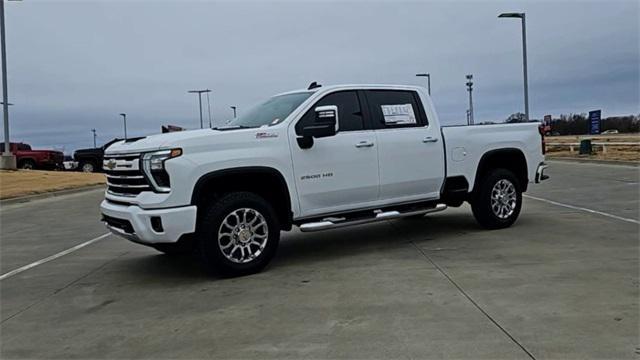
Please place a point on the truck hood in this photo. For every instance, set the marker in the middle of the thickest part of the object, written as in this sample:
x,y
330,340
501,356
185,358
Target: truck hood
x,y
181,139
56,152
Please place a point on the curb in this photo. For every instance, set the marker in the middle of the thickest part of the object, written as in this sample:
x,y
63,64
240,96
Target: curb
x,y
594,161
46,195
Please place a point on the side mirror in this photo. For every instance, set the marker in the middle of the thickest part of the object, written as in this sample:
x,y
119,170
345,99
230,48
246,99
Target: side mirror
x,y
325,125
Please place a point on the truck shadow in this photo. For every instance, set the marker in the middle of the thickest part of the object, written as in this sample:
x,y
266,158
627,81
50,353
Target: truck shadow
x,y
298,249
157,265
303,250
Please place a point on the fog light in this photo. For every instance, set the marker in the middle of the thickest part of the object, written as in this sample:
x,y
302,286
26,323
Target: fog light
x,y
156,224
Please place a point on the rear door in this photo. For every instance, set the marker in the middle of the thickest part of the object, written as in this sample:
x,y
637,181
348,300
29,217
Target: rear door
x,y
339,172
410,151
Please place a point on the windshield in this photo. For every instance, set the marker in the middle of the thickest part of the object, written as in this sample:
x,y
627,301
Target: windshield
x,y
272,111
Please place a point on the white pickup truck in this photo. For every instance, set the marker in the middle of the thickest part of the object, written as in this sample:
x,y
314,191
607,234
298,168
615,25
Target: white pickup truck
x,y
318,159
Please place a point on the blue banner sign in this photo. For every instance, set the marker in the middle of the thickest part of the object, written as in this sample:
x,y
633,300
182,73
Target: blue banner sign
x,y
594,122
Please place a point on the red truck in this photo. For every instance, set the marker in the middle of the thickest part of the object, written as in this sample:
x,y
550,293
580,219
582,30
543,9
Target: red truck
x,y
26,158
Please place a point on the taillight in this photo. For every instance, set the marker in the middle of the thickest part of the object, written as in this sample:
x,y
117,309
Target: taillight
x,y
541,131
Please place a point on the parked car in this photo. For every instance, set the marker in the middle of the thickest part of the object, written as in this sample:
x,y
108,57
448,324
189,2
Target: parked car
x,y
90,160
26,158
68,163
318,159
609,132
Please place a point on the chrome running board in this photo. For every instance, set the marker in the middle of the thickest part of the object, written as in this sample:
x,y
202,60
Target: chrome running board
x,y
332,223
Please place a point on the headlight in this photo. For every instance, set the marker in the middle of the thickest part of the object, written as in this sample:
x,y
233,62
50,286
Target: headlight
x,y
153,166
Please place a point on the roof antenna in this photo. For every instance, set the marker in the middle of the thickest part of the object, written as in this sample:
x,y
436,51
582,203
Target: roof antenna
x,y
313,85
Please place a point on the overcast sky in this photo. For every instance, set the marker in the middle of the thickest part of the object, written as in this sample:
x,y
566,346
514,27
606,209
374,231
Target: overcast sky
x,y
75,65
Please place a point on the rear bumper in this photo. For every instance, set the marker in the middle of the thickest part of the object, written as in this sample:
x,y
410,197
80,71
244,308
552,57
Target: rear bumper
x,y
540,175
135,224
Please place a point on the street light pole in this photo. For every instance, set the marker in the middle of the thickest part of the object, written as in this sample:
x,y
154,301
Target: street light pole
x,y
124,117
7,160
94,137
209,107
234,111
470,90
199,92
522,16
428,76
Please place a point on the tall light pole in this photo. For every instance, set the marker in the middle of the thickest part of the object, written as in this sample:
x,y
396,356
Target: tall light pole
x,y
124,118
199,92
428,76
94,137
7,159
209,107
524,57
470,90
234,111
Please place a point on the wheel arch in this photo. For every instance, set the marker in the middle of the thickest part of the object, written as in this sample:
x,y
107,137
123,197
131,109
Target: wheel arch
x,y
22,160
512,159
265,181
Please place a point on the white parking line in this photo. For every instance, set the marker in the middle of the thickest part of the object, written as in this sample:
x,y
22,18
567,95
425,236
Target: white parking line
x,y
583,209
52,257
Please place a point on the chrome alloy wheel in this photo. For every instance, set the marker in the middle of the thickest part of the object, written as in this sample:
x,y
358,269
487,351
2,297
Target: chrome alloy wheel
x,y
87,167
243,235
503,199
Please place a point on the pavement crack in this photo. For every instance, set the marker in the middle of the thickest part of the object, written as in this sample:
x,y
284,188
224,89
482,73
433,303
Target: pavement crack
x,y
466,295
55,292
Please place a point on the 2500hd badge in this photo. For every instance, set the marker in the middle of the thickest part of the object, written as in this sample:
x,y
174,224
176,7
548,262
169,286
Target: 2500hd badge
x,y
316,176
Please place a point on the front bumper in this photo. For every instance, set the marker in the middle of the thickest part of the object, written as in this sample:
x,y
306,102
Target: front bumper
x,y
540,176
135,224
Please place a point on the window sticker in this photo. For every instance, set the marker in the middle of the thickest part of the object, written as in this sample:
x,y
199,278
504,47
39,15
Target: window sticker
x,y
398,114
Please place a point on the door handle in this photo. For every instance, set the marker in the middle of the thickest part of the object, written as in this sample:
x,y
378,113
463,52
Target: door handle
x,y
429,139
363,144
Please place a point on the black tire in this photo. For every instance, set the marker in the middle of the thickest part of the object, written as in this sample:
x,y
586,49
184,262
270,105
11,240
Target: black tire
x,y
87,166
503,213
27,164
210,245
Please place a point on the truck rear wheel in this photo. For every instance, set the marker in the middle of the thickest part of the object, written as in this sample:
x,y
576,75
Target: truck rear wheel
x,y
238,234
498,199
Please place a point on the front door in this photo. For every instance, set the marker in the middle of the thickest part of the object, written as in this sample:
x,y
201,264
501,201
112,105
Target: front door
x,y
339,172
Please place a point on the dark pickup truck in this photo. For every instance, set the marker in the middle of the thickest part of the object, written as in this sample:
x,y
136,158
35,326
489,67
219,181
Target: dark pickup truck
x,y
26,158
90,160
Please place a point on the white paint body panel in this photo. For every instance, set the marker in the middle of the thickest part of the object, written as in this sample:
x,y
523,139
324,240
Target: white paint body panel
x,y
335,175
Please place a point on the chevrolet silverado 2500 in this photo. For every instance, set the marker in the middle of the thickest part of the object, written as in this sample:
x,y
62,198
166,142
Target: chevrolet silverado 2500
x,y
317,159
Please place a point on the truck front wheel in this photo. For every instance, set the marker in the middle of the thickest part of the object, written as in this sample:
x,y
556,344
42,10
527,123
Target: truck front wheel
x,y
238,234
87,166
498,199
27,164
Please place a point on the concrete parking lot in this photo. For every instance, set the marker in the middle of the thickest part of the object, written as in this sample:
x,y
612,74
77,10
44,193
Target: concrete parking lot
x,y
561,283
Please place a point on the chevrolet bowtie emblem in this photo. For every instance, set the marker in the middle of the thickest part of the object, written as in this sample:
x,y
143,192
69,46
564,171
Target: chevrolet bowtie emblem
x,y
111,164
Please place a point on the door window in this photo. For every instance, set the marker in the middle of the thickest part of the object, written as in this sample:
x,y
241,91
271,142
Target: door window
x,y
349,111
395,108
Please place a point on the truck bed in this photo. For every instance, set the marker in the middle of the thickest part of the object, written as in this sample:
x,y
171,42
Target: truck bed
x,y
465,145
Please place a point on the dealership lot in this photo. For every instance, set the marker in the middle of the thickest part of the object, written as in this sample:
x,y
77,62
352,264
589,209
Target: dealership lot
x,y
562,282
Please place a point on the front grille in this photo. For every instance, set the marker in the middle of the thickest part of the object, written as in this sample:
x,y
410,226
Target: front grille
x,y
124,175
121,224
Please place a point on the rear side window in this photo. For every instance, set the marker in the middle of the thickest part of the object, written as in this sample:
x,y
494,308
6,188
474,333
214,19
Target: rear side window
x,y
395,108
349,111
